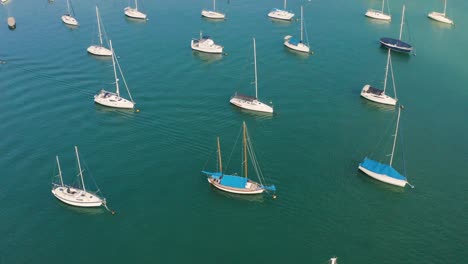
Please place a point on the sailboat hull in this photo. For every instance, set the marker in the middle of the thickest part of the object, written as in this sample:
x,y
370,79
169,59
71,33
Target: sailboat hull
x,y
251,187
440,17
134,13
76,197
383,177
99,50
378,98
69,20
252,105
112,100
299,47
280,14
206,46
396,45
212,14
377,14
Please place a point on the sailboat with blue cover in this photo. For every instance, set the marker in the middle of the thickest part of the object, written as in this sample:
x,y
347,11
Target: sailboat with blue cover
x,y
383,172
397,44
235,183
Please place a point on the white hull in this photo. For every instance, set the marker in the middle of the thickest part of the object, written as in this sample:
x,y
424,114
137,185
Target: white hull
x,y
212,14
251,188
299,47
69,20
134,13
253,105
382,98
112,100
377,14
216,49
76,197
99,50
383,178
281,14
440,17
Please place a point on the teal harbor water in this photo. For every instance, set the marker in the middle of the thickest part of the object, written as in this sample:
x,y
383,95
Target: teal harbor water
x,y
148,164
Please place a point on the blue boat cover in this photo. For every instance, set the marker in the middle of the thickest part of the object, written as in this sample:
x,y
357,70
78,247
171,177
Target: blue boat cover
x,y
395,42
380,168
294,41
228,180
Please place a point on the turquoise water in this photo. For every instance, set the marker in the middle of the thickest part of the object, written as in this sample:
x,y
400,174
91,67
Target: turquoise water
x,y
148,164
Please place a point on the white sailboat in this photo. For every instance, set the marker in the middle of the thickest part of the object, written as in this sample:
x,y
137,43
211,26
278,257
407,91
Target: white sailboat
x,y
239,184
378,14
111,99
213,14
68,17
295,44
281,14
206,44
377,95
249,102
99,50
383,172
441,17
76,196
134,12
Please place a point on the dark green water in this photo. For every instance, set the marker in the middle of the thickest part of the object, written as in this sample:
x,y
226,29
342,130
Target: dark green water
x,y
148,164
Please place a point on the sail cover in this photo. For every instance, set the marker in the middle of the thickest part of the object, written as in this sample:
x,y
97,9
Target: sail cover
x,y
380,168
233,181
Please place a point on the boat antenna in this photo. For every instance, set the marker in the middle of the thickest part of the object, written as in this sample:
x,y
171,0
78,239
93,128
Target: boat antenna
x,y
60,170
79,167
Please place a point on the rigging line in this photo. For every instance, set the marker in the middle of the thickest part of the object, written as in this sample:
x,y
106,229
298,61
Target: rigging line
x,y
208,159
383,135
393,79
123,78
403,150
232,150
92,178
255,162
388,6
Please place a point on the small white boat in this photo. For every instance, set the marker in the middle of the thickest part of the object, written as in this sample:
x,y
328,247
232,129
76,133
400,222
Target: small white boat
x,y
133,12
249,102
206,44
281,14
68,17
76,196
441,17
99,50
377,95
378,14
239,184
383,172
111,99
213,14
11,23
296,44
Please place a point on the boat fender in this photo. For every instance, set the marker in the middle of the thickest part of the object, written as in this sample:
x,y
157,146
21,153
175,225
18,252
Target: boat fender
x,y
137,110
274,196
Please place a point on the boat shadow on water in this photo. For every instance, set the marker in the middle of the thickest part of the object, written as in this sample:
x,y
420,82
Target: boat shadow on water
x,y
207,57
295,53
83,210
131,20
214,21
384,186
255,114
403,56
381,107
257,198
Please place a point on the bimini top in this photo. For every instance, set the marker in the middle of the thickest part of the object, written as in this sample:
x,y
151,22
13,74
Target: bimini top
x,y
294,41
374,90
380,168
395,42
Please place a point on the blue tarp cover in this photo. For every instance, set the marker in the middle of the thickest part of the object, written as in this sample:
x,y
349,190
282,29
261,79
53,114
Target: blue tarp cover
x,y
380,168
234,181
396,42
294,41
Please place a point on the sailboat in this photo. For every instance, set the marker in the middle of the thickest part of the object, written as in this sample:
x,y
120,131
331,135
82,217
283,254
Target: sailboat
x,y
111,99
295,44
377,95
68,17
441,17
213,14
383,172
206,44
76,196
281,14
249,102
397,44
239,184
378,14
133,12
99,50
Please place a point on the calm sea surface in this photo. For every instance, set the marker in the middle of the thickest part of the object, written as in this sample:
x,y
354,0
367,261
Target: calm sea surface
x,y
148,164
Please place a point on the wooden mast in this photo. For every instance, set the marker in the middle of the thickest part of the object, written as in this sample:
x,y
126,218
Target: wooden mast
x,y
245,149
219,158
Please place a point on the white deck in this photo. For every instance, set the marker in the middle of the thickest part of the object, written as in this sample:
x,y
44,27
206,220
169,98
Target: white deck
x,y
110,99
212,14
377,14
281,14
250,188
99,50
440,17
382,98
76,197
253,105
69,20
134,13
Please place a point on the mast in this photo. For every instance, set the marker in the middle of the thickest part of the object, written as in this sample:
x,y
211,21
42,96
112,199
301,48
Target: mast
x,y
99,25
301,23
68,6
115,72
386,72
402,19
219,158
445,6
214,5
79,167
284,5
245,149
136,5
383,4
396,134
255,63
60,171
